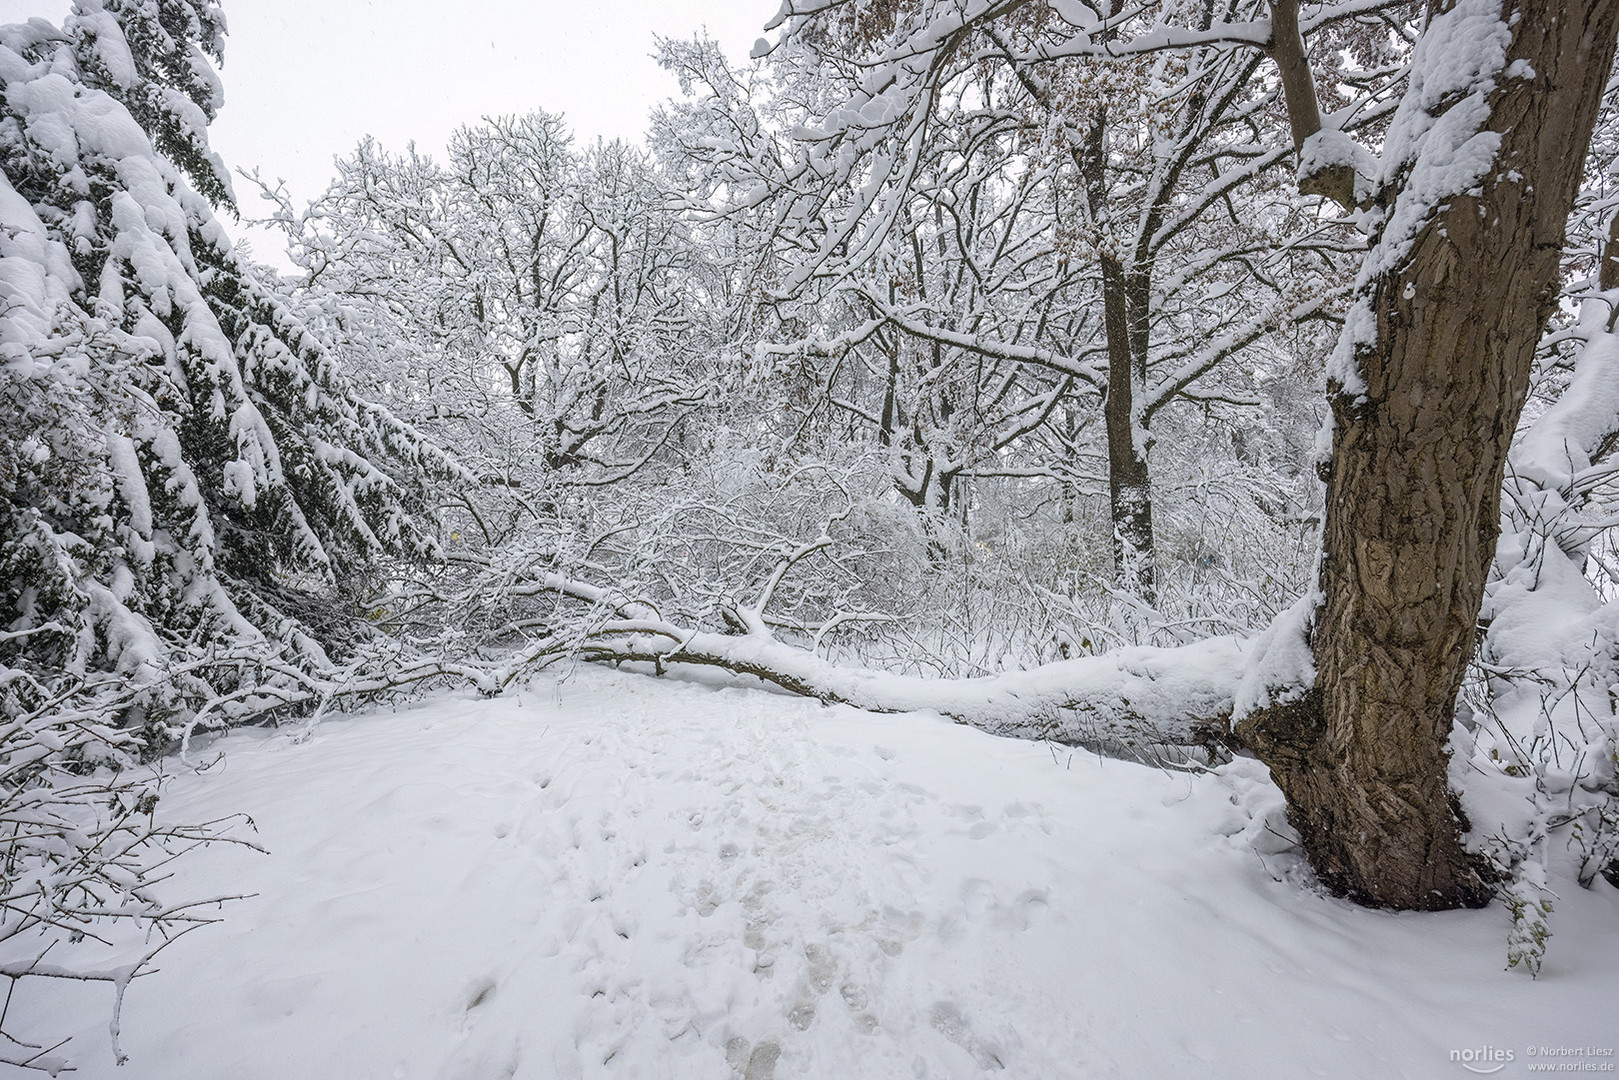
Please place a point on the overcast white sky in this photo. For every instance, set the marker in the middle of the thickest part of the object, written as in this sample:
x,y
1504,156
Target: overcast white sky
x,y
305,79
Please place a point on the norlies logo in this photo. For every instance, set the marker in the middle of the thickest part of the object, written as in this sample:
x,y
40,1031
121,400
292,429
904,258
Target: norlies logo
x,y
1483,1060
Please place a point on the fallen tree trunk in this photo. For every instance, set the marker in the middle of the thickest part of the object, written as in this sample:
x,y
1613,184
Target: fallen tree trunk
x,y
1135,702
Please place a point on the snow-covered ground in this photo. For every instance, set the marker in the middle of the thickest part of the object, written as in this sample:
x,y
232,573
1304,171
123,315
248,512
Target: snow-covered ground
x,y
610,876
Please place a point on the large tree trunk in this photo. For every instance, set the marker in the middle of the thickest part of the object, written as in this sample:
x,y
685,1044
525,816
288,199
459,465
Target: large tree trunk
x,y
1413,495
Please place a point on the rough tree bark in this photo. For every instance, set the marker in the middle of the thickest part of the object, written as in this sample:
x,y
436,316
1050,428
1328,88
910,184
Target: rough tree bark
x,y
1413,493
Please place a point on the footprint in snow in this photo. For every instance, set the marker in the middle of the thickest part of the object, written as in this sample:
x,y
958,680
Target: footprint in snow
x,y
802,1015
949,1022
823,967
757,1063
1030,906
977,898
477,997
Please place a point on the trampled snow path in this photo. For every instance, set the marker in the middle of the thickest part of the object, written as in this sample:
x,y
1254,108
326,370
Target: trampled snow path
x,y
616,877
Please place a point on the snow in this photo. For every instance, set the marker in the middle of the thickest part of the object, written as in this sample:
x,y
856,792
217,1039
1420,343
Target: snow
x,y
1330,148
111,48
1280,664
611,876
1437,148
1558,446
35,275
1548,652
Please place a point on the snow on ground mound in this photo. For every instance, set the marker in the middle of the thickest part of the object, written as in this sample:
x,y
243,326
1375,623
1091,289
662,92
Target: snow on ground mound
x,y
614,877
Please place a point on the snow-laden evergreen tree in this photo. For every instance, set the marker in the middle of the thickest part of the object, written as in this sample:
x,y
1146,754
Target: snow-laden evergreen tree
x,y
195,501
185,468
